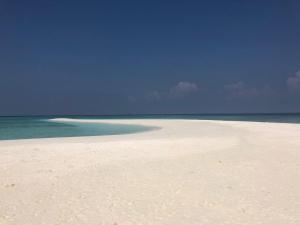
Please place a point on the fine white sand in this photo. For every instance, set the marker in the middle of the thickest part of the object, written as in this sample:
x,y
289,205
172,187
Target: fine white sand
x,y
188,172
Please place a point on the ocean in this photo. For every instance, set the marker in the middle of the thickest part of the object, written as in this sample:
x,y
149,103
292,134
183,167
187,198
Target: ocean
x,y
13,128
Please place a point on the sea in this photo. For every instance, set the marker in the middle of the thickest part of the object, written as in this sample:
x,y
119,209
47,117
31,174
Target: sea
x,y
29,127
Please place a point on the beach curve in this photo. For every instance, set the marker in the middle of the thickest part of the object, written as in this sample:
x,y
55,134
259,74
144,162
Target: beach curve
x,y
187,172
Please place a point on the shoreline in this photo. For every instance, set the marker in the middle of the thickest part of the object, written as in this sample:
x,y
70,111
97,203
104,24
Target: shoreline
x,y
187,172
155,123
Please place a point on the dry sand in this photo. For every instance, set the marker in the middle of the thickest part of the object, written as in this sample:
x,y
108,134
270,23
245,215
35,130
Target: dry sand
x,y
188,172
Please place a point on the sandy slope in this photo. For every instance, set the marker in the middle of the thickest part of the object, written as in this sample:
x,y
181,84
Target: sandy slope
x,y
187,172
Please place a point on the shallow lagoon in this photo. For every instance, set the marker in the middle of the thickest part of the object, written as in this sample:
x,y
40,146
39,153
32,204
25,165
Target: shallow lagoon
x,y
13,128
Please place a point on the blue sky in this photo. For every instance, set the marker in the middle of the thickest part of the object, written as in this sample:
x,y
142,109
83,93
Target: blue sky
x,y
119,57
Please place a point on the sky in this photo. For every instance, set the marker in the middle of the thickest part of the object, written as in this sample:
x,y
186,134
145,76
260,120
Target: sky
x,y
149,57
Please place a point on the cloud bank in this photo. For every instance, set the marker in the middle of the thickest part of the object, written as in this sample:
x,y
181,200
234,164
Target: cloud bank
x,y
293,83
153,96
183,89
240,90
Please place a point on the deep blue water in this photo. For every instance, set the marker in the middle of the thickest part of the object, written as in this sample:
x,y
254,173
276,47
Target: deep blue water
x,y
12,128
275,118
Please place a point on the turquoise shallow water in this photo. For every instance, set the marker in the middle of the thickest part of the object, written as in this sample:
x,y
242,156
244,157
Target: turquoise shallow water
x,y
12,128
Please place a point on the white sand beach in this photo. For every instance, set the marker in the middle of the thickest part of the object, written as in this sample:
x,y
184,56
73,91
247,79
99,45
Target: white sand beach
x,y
188,172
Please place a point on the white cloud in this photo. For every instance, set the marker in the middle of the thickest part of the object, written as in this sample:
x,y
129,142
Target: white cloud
x,y
153,96
240,90
132,99
183,88
293,83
